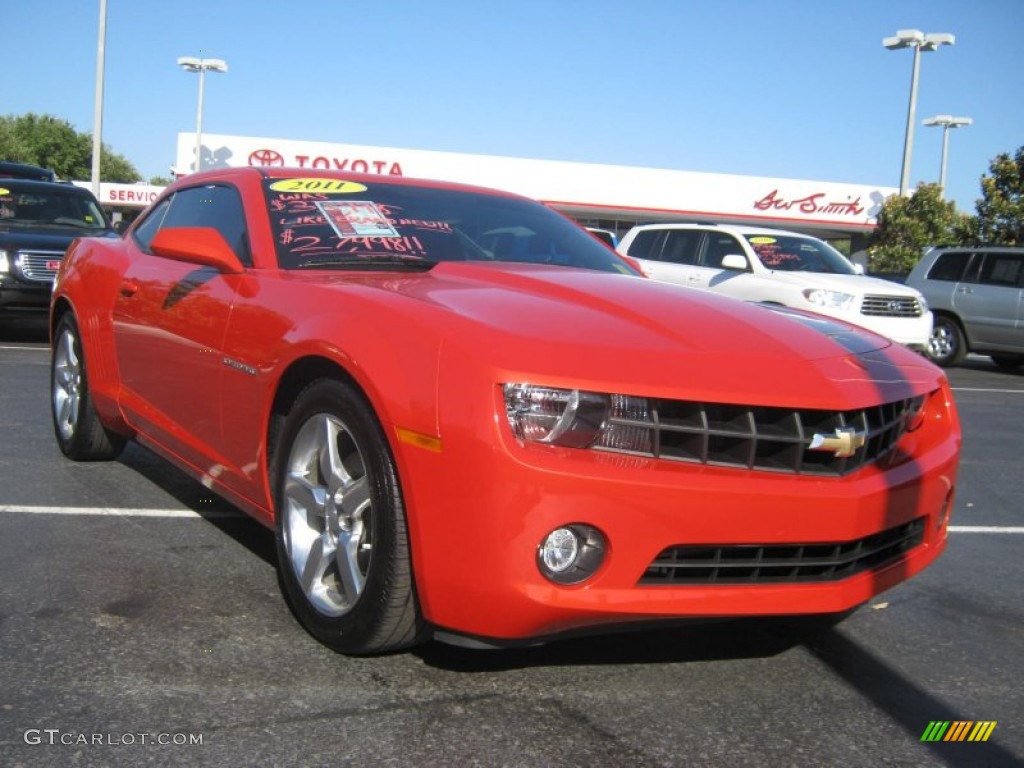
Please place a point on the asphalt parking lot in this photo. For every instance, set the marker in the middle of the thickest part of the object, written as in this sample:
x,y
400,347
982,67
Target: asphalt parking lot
x,y
140,623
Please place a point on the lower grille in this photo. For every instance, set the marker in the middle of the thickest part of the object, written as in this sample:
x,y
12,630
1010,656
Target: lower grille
x,y
891,306
40,265
781,563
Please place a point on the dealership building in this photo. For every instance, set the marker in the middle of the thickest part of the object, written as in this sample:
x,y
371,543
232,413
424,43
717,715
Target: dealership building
x,y
608,196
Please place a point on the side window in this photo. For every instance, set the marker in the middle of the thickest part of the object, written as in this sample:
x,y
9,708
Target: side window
x,y
681,246
148,227
1002,269
646,244
213,205
949,266
719,246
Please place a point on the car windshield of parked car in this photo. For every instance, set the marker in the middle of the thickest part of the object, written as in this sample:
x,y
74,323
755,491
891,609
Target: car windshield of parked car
x,y
47,206
789,253
337,224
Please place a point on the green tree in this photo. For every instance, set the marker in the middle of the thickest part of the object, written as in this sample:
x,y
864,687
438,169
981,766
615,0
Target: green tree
x,y
908,225
54,143
1000,219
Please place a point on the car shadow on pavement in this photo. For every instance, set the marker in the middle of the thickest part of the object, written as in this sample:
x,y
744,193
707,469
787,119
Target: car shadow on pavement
x,y
886,688
984,363
193,495
678,642
904,702
33,330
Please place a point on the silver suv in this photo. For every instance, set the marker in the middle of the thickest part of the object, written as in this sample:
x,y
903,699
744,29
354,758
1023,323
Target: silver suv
x,y
977,299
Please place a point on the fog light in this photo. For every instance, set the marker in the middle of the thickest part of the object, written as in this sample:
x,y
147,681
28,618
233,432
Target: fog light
x,y
571,554
560,550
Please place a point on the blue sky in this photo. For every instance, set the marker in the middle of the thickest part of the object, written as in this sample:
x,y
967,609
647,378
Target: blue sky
x,y
787,88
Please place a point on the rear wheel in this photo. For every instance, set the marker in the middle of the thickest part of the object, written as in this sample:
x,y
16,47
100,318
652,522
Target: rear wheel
x,y
342,546
79,432
947,345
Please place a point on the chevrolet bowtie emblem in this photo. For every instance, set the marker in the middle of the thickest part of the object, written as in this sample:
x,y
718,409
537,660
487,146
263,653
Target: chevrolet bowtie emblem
x,y
844,442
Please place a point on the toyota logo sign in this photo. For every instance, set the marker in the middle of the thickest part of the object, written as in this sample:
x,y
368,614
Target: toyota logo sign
x,y
265,157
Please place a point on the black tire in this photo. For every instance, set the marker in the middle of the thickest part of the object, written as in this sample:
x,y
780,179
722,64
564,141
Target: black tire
x,y
947,346
1008,362
342,544
79,431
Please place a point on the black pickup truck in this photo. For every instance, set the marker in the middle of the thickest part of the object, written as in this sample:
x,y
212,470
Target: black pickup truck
x,y
38,221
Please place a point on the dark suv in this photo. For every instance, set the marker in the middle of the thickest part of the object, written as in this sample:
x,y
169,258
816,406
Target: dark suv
x,y
38,221
977,297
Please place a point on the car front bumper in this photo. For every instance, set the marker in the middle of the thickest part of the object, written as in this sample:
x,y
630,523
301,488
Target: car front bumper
x,y
912,332
18,298
480,507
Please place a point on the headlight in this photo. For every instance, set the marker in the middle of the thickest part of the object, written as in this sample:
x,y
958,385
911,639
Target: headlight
x,y
830,299
5,264
578,419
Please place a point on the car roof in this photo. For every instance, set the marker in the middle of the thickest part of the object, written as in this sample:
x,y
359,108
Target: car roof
x,y
738,229
286,172
42,187
10,170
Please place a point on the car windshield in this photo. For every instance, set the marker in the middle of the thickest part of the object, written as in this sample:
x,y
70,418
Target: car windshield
x,y
325,223
790,253
48,206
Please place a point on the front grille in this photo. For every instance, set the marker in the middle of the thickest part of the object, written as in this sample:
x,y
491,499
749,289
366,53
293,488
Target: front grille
x,y
754,437
35,265
781,563
891,306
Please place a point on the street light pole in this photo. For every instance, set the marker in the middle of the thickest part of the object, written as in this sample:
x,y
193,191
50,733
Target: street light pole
x,y
947,122
919,41
192,64
97,110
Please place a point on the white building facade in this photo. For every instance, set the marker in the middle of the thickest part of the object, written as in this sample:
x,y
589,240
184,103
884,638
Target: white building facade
x,y
600,195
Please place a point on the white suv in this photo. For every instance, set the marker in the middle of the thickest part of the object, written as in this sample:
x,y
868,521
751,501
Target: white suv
x,y
779,267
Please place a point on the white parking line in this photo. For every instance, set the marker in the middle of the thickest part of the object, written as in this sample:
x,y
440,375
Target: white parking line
x,y
986,529
118,512
36,349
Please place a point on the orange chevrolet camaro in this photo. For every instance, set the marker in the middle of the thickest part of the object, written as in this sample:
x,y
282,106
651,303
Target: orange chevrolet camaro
x,y
465,418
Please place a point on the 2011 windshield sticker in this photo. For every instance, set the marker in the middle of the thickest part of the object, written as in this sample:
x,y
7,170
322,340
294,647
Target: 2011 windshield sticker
x,y
314,185
356,218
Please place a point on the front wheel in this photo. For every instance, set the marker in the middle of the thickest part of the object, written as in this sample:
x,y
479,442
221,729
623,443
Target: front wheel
x,y
342,545
79,432
947,345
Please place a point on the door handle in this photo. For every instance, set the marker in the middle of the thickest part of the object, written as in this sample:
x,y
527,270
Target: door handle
x,y
129,288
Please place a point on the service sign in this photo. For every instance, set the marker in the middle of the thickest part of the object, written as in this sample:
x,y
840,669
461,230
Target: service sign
x,y
124,195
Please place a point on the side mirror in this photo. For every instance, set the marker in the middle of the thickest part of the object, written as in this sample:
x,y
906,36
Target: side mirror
x,y
735,262
204,246
858,268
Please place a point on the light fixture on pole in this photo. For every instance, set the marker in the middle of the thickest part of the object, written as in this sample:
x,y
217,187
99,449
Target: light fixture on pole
x,y
919,41
947,122
192,64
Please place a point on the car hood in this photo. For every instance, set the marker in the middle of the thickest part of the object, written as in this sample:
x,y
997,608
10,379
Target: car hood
x,y
857,284
608,331
44,239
